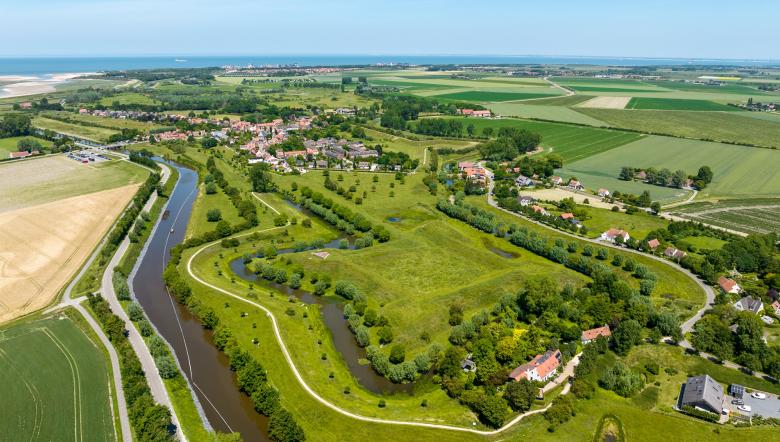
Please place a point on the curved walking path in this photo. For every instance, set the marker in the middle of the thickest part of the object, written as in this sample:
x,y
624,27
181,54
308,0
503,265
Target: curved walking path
x,y
567,371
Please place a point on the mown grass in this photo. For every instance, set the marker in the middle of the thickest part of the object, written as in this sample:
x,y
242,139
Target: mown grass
x,y
56,382
717,126
677,104
99,134
637,225
8,145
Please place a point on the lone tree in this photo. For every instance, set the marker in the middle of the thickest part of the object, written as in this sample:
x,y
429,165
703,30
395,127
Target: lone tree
x,y
262,180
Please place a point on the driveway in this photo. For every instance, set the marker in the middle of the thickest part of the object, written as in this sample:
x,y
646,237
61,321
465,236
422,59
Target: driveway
x,y
769,407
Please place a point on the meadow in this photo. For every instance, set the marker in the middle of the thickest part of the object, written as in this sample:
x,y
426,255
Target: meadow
x,y
739,172
56,383
532,109
572,143
103,122
43,180
8,145
717,126
99,134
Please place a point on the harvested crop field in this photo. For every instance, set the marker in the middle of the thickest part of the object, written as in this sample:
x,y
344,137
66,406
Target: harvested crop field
x,y
606,102
44,245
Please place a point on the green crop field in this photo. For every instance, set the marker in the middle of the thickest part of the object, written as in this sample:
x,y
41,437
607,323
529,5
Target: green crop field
x,y
570,142
484,96
566,100
56,383
530,109
740,172
718,126
8,145
91,133
677,104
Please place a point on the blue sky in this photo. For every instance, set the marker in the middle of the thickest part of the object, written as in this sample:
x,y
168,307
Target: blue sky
x,y
685,29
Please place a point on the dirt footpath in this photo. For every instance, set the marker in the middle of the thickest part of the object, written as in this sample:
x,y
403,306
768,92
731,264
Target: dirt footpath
x,y
42,247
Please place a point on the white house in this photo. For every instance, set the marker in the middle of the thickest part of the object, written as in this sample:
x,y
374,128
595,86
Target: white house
x,y
611,234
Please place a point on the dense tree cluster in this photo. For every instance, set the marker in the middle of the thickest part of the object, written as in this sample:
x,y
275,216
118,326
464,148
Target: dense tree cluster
x,y
510,143
246,208
15,125
667,178
439,127
340,216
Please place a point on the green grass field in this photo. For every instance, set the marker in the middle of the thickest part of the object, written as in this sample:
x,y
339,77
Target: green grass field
x,y
570,142
704,242
8,145
91,133
677,104
638,224
110,123
718,126
487,96
127,98
42,180
568,100
56,383
532,109
739,172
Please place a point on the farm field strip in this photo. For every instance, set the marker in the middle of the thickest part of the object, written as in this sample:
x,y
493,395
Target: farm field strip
x,y
491,96
60,390
531,109
677,104
607,102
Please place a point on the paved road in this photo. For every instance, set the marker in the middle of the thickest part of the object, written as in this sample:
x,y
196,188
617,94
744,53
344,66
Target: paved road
x,y
686,326
565,374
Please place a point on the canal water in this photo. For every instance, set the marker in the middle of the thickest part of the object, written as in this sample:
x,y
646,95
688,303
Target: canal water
x,y
207,369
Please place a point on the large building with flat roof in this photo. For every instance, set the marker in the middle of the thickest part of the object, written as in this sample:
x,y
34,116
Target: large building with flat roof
x,y
703,392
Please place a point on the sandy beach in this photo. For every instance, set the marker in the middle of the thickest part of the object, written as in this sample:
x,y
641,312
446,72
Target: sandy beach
x,y
20,86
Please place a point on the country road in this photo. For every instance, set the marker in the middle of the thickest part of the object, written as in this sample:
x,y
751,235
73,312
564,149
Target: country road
x,y
567,371
686,326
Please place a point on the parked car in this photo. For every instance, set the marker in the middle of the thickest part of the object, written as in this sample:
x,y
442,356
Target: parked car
x,y
738,402
747,408
758,395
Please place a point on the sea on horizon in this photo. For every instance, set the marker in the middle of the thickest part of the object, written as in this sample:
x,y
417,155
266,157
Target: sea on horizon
x,y
41,66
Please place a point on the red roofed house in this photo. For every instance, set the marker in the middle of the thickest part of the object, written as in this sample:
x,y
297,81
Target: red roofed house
x,y
464,164
611,234
466,111
481,113
22,154
25,105
539,209
653,244
556,180
474,173
592,334
603,193
541,368
567,215
729,285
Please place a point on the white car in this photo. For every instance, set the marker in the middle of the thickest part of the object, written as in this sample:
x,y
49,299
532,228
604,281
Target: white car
x,y
758,395
745,408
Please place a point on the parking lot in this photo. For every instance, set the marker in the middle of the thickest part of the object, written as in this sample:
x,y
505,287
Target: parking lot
x,y
87,156
769,407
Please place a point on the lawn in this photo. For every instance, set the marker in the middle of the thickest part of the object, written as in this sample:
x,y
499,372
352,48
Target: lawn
x,y
56,383
127,98
8,145
704,242
739,172
569,141
677,104
487,96
718,126
99,134
638,224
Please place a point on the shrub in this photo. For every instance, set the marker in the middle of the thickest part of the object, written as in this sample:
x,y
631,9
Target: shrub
x,y
213,215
